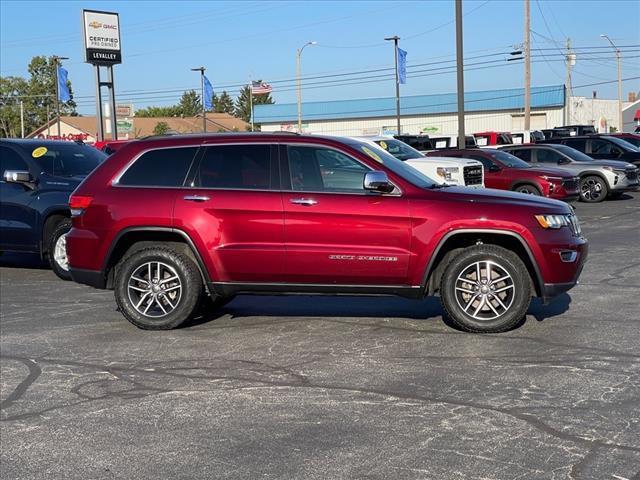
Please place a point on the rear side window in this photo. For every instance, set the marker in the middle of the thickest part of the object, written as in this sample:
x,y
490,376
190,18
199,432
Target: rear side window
x,y
546,155
521,153
578,144
166,167
235,166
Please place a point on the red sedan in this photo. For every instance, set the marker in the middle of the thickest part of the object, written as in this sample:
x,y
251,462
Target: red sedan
x,y
507,172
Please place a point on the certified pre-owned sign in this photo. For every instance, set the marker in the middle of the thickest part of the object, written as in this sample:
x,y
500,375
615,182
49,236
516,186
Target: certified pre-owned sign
x,y
101,37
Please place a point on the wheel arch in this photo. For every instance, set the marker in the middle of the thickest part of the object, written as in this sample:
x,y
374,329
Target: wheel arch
x,y
456,240
135,238
519,183
50,219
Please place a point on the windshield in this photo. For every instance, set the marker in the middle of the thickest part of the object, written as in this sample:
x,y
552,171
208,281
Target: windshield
x,y
399,149
509,160
572,153
635,141
392,163
628,147
67,159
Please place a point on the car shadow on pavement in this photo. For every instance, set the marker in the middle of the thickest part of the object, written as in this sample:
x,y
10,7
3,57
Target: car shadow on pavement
x,y
22,260
624,196
557,306
279,306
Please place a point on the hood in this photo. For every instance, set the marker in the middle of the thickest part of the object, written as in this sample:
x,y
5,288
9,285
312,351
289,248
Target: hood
x,y
607,163
443,161
492,196
549,171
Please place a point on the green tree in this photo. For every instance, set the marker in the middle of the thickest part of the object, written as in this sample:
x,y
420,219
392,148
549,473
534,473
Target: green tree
x,y
223,104
243,107
154,112
161,128
37,93
190,104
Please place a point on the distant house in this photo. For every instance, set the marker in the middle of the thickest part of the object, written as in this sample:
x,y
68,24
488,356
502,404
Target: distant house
x,y
85,128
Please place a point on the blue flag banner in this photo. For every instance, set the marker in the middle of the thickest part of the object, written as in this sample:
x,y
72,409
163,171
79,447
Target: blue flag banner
x,y
402,66
208,94
63,90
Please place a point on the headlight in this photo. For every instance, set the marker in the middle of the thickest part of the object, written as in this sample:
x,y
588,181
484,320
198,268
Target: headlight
x,y
553,179
445,172
556,222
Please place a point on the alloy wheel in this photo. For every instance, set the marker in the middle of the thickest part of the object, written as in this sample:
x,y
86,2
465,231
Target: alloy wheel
x,y
154,289
485,290
591,189
60,253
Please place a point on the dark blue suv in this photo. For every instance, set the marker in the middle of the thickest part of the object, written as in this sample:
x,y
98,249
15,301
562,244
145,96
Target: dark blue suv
x,y
37,178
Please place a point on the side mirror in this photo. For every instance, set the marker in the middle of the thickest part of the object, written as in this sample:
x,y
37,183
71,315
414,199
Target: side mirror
x,y
494,168
563,161
18,176
378,182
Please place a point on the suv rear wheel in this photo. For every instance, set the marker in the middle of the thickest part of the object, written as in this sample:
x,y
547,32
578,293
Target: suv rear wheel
x,y
57,250
486,289
157,288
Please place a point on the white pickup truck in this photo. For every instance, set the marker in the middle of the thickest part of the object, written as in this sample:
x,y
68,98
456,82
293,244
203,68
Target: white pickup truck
x,y
445,170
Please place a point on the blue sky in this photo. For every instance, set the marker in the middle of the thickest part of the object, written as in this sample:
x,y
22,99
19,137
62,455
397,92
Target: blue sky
x,y
162,40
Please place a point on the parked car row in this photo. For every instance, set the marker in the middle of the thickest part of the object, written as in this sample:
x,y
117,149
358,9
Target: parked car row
x,y
173,222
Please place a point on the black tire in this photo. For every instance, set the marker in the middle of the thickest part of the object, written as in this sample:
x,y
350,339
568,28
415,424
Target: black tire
x,y
167,262
593,189
515,299
59,263
528,189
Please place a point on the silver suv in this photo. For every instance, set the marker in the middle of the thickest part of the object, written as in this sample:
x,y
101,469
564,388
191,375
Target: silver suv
x,y
598,178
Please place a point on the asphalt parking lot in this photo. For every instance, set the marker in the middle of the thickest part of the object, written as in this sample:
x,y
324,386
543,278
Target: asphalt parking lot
x,y
327,387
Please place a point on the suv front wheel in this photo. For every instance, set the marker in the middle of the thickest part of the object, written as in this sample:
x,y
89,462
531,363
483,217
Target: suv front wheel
x,y
57,251
486,289
157,288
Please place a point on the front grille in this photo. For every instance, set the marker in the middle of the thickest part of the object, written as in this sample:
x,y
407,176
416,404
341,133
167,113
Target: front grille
x,y
472,175
571,184
632,174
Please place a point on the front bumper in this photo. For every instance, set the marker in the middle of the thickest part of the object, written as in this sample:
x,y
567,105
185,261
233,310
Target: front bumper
x,y
624,182
551,290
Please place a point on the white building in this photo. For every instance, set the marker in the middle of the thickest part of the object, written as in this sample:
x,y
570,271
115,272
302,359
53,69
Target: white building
x,y
494,110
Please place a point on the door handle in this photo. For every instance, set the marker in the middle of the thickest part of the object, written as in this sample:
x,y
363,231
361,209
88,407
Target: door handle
x,y
196,198
304,201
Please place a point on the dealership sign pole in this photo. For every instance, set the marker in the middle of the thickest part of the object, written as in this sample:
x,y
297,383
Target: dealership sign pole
x,y
101,32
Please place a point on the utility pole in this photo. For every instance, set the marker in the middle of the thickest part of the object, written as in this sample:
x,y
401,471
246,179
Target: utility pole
x,y
21,119
395,39
618,59
462,143
571,60
299,78
204,113
56,62
527,65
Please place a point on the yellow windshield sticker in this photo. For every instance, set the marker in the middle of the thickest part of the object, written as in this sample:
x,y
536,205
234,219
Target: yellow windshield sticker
x,y
384,145
38,152
372,154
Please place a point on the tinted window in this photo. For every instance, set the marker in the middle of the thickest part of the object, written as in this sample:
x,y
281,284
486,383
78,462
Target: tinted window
x,y
166,167
521,153
624,144
635,141
11,160
577,143
603,147
67,159
508,159
235,166
487,163
545,155
317,169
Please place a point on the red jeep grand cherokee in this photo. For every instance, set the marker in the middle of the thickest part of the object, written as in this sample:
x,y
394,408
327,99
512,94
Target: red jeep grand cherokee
x,y
507,172
168,222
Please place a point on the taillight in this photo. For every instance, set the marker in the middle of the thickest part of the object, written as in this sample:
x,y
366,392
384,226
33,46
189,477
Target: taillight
x,y
78,204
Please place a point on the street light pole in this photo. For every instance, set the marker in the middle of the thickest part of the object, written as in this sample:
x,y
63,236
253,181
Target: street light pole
x,y
527,66
298,76
204,113
618,59
462,139
56,62
395,39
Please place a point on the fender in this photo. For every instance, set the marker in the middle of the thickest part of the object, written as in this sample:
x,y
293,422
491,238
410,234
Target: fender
x,y
453,233
526,182
199,262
